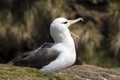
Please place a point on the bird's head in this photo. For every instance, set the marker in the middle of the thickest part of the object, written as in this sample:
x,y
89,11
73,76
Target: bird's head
x,y
64,23
61,25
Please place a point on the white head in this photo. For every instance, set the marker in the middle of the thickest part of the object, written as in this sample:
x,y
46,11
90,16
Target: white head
x,y
59,28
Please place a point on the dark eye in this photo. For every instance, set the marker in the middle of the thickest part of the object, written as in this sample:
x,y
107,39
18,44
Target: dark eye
x,y
65,22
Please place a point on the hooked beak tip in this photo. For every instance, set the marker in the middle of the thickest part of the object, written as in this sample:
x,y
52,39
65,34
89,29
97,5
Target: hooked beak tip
x,y
81,19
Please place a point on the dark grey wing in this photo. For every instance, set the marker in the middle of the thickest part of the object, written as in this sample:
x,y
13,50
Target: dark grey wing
x,y
37,60
20,57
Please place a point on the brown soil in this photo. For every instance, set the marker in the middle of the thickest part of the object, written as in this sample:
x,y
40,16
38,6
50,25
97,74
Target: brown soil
x,y
90,72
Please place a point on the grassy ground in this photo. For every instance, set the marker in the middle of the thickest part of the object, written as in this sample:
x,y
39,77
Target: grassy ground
x,y
24,73
76,72
24,26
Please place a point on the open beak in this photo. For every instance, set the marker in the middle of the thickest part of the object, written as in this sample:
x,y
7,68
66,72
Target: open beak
x,y
73,22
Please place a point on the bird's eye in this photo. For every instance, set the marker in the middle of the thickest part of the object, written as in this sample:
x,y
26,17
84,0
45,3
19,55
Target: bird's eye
x,y
65,22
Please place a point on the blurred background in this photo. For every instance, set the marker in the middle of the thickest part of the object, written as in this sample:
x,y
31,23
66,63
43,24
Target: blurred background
x,y
24,26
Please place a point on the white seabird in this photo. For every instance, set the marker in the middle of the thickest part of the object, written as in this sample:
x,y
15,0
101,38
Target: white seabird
x,y
52,56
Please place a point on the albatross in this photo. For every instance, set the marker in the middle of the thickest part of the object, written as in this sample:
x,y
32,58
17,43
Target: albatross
x,y
55,56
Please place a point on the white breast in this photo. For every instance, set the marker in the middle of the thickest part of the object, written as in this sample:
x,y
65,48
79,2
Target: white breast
x,y
65,59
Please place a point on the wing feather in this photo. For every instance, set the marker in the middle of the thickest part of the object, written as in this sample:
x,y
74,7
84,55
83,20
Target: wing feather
x,y
37,59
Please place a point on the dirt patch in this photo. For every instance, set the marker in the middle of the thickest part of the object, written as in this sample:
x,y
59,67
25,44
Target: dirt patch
x,y
92,72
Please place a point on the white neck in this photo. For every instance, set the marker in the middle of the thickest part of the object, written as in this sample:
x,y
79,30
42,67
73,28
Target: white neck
x,y
65,39
62,37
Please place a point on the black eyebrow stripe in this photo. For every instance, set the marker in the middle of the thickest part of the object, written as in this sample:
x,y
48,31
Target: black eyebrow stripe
x,y
65,22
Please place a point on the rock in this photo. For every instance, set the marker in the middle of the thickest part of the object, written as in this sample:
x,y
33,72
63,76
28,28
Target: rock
x,y
93,72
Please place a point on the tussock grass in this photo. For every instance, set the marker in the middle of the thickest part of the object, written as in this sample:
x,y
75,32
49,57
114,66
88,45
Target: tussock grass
x,y
90,41
115,45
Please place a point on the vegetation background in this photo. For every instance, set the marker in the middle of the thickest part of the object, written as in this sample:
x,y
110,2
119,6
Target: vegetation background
x,y
24,26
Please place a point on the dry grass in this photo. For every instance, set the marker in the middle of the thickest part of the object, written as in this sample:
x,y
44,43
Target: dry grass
x,y
114,28
114,5
115,44
89,42
90,37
